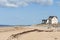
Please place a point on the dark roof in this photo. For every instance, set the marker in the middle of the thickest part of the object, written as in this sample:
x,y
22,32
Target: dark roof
x,y
52,16
44,20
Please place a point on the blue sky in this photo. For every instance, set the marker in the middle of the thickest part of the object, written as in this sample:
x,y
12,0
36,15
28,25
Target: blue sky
x,y
28,13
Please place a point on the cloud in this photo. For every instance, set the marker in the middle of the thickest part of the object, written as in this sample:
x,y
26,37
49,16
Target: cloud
x,y
18,3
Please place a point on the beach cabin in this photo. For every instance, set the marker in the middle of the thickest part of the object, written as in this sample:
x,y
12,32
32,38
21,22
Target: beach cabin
x,y
53,20
50,20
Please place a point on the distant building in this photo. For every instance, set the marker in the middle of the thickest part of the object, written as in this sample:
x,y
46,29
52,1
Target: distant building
x,y
51,20
44,21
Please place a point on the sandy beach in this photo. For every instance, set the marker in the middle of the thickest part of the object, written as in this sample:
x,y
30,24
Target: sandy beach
x,y
28,33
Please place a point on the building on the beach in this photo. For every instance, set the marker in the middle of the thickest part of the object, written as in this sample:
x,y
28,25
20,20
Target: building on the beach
x,y
51,20
44,21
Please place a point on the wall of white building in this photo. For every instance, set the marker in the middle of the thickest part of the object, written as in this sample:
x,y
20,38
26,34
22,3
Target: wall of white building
x,y
54,20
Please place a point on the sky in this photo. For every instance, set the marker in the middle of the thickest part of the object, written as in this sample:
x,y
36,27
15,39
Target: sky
x,y
27,12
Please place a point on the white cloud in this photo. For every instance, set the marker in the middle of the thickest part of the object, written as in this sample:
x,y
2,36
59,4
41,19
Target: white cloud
x,y
17,3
